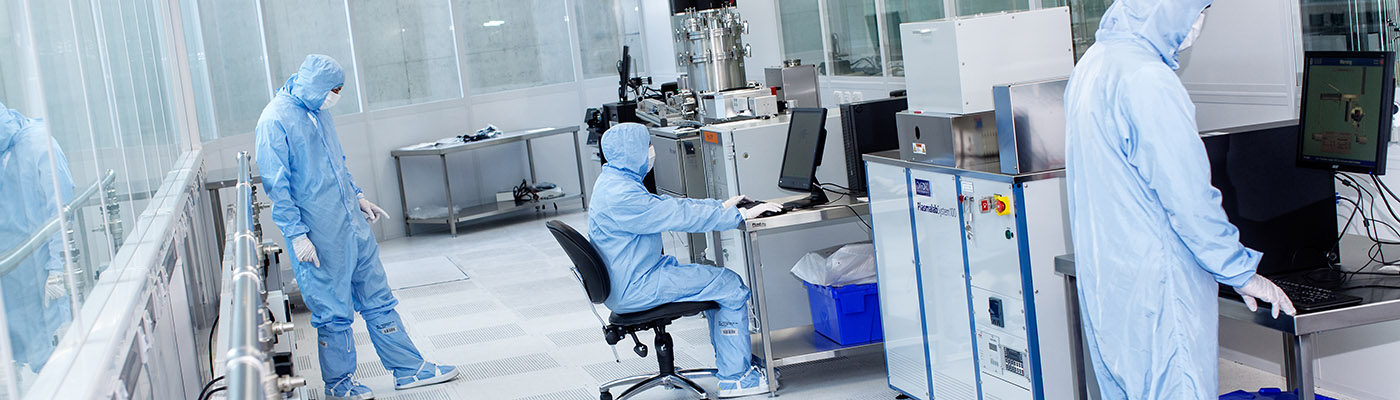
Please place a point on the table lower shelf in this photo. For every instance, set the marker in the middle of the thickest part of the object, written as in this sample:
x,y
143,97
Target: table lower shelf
x,y
802,344
492,209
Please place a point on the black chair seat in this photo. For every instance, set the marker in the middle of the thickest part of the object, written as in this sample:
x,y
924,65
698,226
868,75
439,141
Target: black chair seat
x,y
666,311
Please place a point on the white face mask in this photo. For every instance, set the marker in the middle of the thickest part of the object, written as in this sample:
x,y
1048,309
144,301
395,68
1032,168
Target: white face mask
x,y
331,99
1193,34
651,158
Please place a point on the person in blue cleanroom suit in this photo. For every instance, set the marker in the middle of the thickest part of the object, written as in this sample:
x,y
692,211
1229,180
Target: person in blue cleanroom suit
x,y
30,161
325,218
625,223
1150,237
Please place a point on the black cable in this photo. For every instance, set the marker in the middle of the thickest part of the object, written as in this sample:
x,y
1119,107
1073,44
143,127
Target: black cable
x,y
212,329
211,383
846,192
210,395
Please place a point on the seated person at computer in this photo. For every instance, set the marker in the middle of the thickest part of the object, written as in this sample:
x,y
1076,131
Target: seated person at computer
x,y
625,223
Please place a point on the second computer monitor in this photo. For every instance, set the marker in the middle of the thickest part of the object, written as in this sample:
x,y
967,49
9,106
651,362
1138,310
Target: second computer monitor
x,y
806,137
1346,111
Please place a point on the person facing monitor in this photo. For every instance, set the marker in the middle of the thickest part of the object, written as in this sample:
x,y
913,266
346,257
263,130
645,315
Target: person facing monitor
x,y
805,142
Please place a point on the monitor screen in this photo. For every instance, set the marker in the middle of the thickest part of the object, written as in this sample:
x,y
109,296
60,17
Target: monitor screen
x,y
1286,211
804,146
1346,111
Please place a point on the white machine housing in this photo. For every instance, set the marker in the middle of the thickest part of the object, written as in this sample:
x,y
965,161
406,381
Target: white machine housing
x,y
951,65
968,330
746,157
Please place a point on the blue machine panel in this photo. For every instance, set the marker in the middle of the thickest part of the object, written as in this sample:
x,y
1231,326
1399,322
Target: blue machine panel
x,y
952,362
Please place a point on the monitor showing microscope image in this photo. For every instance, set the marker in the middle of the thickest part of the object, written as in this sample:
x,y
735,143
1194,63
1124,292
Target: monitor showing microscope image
x,y
1346,111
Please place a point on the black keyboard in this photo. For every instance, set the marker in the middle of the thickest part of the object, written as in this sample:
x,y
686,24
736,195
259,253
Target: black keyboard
x,y
747,204
1308,298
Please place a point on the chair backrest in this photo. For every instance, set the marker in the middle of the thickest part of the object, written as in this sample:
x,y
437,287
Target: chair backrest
x,y
587,262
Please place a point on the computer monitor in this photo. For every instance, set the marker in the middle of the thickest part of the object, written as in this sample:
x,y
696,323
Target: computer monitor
x,y
868,127
1348,103
1284,210
805,142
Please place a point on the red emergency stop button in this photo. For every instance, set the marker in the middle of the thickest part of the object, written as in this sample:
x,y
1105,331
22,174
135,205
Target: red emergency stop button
x,y
1003,204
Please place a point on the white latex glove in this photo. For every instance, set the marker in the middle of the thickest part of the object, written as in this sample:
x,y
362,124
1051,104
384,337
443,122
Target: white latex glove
x,y
372,212
1261,288
306,252
755,211
734,201
53,287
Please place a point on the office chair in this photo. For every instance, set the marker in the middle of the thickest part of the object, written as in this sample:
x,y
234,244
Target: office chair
x,y
593,275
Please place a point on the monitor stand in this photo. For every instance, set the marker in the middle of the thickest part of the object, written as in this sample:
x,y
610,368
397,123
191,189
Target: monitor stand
x,y
816,198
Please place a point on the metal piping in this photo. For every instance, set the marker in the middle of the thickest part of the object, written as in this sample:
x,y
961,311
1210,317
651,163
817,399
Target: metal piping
x,y
11,259
246,362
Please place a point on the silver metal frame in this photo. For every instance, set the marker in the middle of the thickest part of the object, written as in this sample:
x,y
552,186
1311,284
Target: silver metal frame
x,y
682,379
441,151
801,342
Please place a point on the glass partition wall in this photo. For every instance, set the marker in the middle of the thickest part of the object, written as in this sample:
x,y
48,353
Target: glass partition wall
x,y
89,129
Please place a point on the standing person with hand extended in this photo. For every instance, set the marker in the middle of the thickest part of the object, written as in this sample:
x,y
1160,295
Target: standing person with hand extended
x,y
1150,237
34,174
325,217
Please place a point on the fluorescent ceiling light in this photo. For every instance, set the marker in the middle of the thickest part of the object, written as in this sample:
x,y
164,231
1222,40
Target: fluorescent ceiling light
x,y
493,23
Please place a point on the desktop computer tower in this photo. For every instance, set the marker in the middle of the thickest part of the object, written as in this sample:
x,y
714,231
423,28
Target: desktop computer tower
x,y
868,127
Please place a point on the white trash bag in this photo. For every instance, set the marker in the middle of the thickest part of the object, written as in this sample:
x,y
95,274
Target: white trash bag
x,y
850,264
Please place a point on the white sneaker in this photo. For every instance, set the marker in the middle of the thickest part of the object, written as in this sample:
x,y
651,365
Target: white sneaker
x,y
751,383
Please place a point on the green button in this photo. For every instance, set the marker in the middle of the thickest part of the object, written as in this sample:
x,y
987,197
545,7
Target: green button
x,y
1008,234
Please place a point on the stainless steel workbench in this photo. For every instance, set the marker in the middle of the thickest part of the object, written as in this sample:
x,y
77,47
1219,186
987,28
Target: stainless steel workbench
x,y
1378,305
454,216
800,344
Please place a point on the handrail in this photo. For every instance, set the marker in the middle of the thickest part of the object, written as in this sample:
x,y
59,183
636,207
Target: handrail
x,y
246,362
12,258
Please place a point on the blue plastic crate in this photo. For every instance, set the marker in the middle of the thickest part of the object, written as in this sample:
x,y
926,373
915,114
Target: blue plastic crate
x,y
1266,394
849,315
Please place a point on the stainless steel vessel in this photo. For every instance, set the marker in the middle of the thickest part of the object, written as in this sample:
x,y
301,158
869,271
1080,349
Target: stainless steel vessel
x,y
709,46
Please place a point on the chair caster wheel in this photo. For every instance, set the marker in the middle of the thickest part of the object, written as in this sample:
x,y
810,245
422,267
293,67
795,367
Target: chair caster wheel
x,y
605,396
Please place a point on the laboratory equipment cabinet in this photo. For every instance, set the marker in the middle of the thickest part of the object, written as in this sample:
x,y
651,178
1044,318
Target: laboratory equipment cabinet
x,y
970,303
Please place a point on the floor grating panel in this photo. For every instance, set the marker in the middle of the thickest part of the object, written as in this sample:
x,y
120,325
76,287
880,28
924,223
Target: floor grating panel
x,y
474,336
578,337
576,394
455,287
434,394
549,310
370,369
454,310
508,366
606,371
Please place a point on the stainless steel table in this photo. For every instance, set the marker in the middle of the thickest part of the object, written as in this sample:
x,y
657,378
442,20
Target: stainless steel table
x,y
801,344
1379,305
441,150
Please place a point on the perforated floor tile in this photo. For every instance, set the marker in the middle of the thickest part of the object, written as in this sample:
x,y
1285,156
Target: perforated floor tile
x,y
609,370
548,310
454,310
370,369
457,287
440,393
576,394
577,337
507,366
473,336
